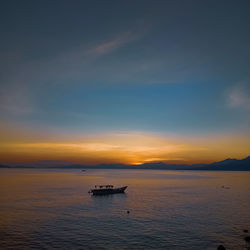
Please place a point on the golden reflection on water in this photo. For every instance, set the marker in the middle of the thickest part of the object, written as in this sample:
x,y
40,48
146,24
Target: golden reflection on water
x,y
30,199
22,192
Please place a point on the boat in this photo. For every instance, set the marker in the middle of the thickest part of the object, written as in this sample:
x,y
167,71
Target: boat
x,y
107,189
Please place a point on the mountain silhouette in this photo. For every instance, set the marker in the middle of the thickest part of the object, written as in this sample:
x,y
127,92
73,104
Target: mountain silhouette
x,y
225,165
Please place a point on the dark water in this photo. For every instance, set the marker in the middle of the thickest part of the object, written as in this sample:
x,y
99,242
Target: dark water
x,y
51,209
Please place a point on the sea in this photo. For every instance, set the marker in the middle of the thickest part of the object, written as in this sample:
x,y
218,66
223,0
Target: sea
x,y
52,209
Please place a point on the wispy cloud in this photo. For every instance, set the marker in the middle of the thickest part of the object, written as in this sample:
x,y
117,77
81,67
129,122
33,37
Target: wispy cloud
x,y
239,96
15,99
128,148
74,64
113,44
83,54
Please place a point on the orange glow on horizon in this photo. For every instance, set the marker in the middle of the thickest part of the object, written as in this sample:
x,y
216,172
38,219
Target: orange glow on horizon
x,y
127,148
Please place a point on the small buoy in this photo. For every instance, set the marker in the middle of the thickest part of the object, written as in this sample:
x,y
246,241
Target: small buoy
x,y
245,231
247,238
128,211
221,247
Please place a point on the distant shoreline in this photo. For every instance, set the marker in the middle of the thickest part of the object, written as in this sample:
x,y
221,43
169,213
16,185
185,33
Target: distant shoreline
x,y
91,168
226,165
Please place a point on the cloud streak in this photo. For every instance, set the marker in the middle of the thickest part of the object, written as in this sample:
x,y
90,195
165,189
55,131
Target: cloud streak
x,y
16,100
129,148
240,97
71,65
113,44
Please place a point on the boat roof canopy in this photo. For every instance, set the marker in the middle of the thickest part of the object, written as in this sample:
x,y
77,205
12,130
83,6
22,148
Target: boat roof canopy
x,y
104,186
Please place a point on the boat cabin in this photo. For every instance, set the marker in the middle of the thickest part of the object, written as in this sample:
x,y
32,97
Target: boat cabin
x,y
104,186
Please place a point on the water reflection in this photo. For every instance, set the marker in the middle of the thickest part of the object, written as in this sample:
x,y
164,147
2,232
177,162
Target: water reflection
x,y
168,209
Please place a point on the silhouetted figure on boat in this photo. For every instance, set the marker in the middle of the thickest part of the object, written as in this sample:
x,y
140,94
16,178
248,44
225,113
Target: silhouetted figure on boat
x,y
107,189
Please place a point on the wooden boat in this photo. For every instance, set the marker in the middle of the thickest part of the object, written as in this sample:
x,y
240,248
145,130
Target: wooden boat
x,y
107,189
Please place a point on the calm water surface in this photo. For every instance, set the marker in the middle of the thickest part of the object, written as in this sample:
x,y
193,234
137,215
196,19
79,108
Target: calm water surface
x,y
51,209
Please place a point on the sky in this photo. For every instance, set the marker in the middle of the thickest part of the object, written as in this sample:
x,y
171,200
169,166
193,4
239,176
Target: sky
x,y
124,81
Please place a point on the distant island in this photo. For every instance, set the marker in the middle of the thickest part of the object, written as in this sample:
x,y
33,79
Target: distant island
x,y
225,165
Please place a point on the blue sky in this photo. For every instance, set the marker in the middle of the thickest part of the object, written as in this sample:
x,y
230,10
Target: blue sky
x,y
91,67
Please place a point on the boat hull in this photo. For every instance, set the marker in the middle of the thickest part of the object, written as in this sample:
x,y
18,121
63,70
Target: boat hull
x,y
106,191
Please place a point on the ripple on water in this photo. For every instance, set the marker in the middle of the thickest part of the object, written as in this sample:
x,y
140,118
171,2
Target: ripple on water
x,y
168,210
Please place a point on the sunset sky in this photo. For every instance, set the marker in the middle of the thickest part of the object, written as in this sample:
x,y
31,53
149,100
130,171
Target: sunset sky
x,y
124,81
